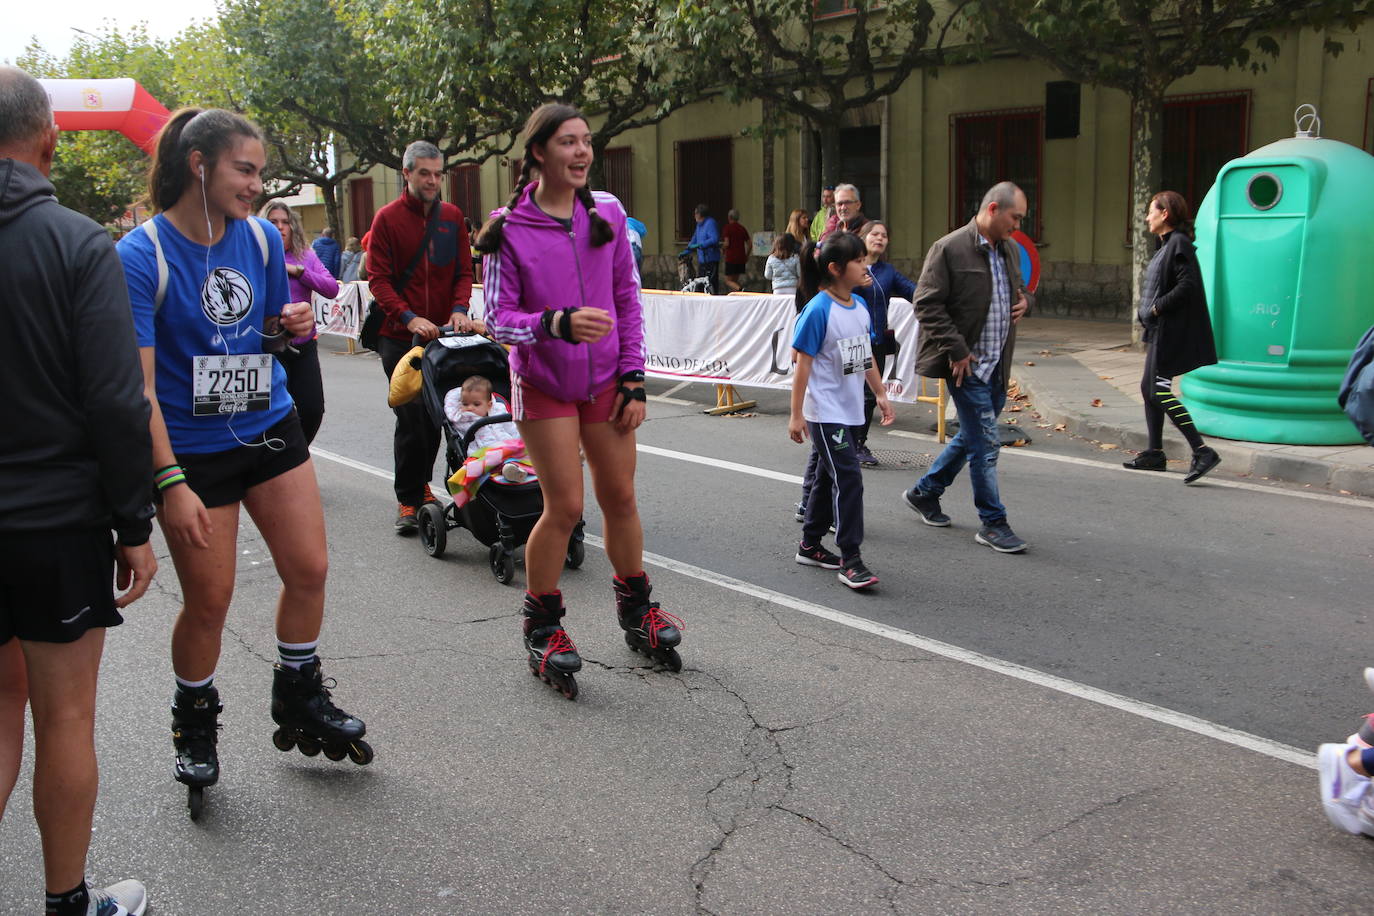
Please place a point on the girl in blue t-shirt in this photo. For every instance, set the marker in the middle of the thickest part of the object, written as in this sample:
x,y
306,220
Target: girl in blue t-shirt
x,y
208,287
834,346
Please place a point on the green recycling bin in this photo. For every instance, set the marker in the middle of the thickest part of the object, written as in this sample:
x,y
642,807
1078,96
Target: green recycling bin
x,y
1285,240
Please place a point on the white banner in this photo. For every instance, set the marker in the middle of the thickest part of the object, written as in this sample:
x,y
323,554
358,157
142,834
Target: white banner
x,y
744,340
747,340
342,315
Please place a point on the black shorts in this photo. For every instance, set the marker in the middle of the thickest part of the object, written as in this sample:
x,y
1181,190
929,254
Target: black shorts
x,y
222,478
734,270
57,584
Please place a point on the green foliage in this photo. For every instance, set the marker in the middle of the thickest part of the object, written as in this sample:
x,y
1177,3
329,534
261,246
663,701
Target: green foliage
x,y
465,75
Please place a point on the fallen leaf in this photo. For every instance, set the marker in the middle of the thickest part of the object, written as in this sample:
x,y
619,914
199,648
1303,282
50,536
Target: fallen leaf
x,y
1043,425
1108,445
1029,363
1059,428
1097,402
1015,408
1106,378
1346,493
1046,353
1019,442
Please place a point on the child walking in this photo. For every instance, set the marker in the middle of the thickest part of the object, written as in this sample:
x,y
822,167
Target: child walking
x,y
834,345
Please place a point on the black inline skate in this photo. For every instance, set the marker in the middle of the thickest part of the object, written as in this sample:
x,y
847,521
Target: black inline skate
x,y
649,630
195,732
310,721
553,657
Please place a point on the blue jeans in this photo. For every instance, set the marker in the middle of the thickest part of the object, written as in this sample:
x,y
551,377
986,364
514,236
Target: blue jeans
x,y
977,444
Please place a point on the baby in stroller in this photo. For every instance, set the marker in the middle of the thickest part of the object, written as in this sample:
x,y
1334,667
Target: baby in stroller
x,y
495,445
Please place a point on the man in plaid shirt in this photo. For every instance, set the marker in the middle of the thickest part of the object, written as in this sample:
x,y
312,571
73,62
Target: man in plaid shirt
x,y
968,301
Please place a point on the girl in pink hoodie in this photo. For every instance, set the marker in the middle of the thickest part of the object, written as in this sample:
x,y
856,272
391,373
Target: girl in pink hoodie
x,y
563,291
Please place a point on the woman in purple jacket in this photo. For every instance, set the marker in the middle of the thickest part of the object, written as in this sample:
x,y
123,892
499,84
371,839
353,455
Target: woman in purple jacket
x,y
304,274
562,290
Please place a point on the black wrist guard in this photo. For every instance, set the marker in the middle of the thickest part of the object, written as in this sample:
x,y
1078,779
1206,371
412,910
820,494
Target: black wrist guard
x,y
634,375
632,394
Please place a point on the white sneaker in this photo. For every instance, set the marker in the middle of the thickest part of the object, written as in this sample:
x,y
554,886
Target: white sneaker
x,y
1369,678
127,898
1343,791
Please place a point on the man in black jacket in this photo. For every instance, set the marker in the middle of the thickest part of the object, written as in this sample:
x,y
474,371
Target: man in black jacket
x,y
75,464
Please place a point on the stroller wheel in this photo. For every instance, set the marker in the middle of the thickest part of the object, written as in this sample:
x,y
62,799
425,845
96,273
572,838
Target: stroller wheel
x,y
433,529
577,552
502,564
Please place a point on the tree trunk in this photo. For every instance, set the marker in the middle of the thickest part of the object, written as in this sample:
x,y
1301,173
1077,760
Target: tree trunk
x,y
769,143
596,176
330,192
1147,145
830,152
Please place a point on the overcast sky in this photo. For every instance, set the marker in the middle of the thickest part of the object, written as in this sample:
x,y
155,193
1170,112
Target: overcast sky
x,y
52,23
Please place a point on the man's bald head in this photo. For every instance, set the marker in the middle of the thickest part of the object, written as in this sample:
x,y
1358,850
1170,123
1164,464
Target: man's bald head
x,y
26,125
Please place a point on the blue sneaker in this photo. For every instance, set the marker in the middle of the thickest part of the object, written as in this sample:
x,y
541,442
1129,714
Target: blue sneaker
x,y
1000,538
927,506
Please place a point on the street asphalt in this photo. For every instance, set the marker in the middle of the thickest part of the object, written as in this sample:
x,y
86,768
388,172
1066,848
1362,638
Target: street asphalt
x,y
1120,720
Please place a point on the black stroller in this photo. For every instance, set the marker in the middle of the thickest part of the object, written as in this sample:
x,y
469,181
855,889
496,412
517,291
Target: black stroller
x,y
500,514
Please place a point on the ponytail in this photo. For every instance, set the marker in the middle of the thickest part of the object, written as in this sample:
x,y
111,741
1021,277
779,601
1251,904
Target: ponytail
x,y
808,276
212,131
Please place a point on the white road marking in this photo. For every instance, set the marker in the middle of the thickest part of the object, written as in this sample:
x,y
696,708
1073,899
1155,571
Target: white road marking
x,y
667,396
720,464
1160,714
1162,478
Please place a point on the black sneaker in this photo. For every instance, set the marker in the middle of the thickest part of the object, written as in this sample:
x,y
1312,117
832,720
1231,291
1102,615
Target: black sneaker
x,y
866,459
406,523
927,506
856,575
816,556
1152,459
1204,460
1000,538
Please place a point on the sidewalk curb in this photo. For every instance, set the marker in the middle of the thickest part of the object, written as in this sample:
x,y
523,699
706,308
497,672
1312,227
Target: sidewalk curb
x,y
1120,421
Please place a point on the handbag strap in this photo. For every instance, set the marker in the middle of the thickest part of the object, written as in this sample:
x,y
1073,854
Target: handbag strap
x,y
424,246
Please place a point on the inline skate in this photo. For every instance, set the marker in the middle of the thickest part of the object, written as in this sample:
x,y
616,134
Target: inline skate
x,y
649,630
310,721
195,732
552,656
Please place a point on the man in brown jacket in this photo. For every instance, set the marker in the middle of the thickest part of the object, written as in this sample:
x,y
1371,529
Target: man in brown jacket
x,y
968,301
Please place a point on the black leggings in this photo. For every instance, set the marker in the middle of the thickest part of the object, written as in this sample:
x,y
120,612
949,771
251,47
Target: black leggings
x,y
1158,391
870,401
306,386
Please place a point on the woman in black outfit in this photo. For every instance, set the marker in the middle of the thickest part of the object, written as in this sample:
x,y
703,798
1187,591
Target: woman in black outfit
x,y
1178,334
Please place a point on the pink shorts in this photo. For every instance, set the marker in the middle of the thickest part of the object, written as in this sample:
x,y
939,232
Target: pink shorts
x,y
529,403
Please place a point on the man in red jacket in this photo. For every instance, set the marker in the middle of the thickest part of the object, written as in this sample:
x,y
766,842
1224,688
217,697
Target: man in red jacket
x,y
436,293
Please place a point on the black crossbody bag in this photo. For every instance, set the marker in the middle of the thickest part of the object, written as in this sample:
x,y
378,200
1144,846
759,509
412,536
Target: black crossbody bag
x,y
371,330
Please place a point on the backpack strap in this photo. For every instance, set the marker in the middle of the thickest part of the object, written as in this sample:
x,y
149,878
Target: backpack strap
x,y
150,227
262,238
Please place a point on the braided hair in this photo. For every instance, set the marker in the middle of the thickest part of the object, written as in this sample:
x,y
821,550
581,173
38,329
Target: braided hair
x,y
540,127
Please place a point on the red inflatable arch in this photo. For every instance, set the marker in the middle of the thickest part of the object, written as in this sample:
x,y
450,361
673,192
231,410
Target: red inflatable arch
x,y
118,104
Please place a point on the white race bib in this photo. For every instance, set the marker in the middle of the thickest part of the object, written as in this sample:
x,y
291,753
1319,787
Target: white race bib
x,y
231,384
856,354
